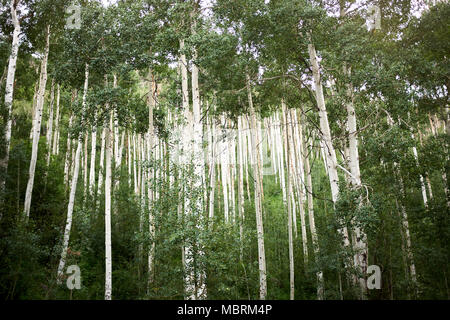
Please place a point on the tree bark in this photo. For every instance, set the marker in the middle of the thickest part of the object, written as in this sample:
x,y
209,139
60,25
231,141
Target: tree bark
x,y
37,126
258,202
73,187
9,93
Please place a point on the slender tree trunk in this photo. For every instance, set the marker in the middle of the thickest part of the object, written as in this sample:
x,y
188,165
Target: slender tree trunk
x,y
55,149
289,204
37,126
422,180
9,93
93,155
312,224
199,173
108,253
150,141
258,202
212,172
49,134
241,189
101,169
360,245
327,146
69,142
73,187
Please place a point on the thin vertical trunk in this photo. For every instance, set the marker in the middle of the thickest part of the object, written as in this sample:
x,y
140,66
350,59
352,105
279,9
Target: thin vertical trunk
x,y
199,171
93,152
55,149
33,110
258,202
37,126
101,169
150,141
68,153
422,180
108,254
73,187
187,254
241,188
9,93
326,140
289,204
49,134
312,224
405,227
297,175
360,245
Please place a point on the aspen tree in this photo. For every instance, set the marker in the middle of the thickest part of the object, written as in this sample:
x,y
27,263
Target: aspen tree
x,y
9,92
55,149
93,152
258,203
199,165
37,125
360,245
312,225
108,253
49,134
150,141
326,141
289,203
73,186
68,153
241,188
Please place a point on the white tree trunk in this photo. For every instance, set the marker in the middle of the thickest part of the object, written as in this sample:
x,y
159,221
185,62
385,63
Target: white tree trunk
x,y
37,126
241,187
360,245
312,224
108,254
93,152
68,227
258,191
73,187
68,153
150,146
199,171
49,134
55,149
101,169
327,146
422,180
9,92
289,202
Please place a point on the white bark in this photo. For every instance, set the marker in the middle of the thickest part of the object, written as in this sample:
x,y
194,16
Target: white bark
x,y
9,92
49,134
258,191
68,227
93,152
289,201
150,145
68,153
101,169
312,224
37,126
360,245
212,169
108,253
73,187
241,187
199,170
327,145
422,181
55,149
